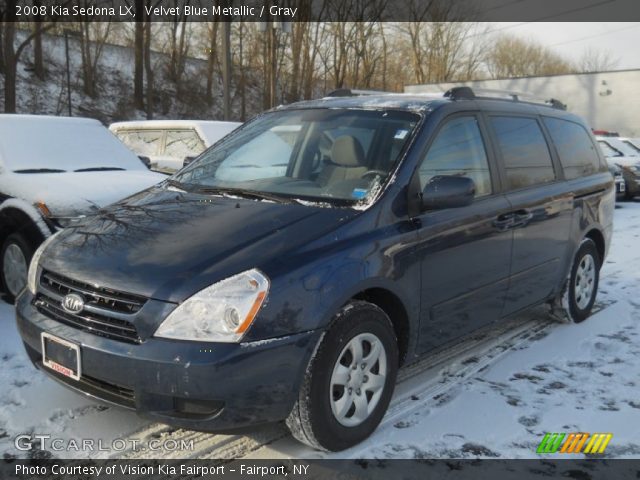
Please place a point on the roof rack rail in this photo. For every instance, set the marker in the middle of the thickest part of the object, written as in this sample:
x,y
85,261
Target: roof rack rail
x,y
349,92
467,93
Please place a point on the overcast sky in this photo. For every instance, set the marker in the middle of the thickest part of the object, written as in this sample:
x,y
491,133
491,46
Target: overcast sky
x,y
621,40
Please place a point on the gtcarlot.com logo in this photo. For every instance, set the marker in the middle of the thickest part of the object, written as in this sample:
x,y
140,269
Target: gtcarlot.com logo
x,y
47,442
574,443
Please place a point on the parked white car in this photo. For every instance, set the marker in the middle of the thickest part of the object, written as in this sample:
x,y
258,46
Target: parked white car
x,y
620,155
632,143
52,170
170,144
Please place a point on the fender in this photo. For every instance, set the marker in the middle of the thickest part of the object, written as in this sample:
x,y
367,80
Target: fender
x,y
30,211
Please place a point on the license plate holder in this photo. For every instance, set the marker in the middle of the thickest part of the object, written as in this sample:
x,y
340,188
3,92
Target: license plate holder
x,y
61,356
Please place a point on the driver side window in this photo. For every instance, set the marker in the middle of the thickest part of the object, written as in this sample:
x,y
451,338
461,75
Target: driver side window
x,y
458,150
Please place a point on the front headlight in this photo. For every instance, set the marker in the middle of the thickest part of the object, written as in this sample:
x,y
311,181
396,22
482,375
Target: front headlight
x,y
222,312
32,276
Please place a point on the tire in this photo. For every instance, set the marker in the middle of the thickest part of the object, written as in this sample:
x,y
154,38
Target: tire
x,y
575,302
15,249
329,413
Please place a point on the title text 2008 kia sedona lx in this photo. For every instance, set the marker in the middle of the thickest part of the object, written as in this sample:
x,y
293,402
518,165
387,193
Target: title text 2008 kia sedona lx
x,y
290,270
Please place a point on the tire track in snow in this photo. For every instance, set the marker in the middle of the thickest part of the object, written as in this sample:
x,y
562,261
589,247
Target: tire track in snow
x,y
430,377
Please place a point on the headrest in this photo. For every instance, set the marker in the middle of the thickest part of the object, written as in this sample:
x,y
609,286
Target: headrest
x,y
347,152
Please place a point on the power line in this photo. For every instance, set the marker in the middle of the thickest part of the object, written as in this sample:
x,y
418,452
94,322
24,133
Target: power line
x,y
595,35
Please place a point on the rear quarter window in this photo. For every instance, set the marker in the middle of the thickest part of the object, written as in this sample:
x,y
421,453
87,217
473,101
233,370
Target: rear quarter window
x,y
577,153
183,143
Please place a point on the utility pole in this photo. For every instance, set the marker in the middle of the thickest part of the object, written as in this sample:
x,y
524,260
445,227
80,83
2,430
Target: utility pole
x,y
226,69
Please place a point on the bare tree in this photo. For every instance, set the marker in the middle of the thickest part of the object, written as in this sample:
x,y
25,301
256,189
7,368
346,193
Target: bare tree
x,y
513,56
178,49
11,53
595,60
93,38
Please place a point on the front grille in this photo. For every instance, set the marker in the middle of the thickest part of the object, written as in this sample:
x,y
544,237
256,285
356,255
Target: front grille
x,y
107,299
106,312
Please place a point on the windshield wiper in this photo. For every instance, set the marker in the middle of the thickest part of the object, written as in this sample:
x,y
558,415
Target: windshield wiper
x,y
177,184
98,169
242,192
39,170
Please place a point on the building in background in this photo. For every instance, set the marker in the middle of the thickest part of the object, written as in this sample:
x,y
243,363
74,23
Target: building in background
x,y
606,100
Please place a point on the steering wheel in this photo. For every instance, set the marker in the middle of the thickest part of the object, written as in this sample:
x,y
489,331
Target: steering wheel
x,y
382,173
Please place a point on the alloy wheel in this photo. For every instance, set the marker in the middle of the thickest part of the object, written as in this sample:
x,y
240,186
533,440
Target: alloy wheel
x,y
358,379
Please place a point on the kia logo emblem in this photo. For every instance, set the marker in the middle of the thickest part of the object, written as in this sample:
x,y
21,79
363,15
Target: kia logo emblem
x,y
73,303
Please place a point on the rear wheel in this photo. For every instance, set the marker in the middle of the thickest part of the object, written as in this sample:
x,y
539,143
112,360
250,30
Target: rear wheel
x,y
579,295
15,257
349,382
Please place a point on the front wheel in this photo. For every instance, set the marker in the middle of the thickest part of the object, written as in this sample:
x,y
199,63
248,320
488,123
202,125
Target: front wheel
x,y
579,294
349,382
15,257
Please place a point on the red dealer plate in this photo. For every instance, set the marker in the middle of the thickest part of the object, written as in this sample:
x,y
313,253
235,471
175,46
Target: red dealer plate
x,y
61,356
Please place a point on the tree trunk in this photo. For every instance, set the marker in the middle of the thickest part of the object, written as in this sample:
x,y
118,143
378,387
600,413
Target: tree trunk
x,y
211,60
38,62
138,76
148,68
10,67
2,64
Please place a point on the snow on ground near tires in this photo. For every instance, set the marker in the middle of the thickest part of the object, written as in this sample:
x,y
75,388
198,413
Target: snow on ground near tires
x,y
493,395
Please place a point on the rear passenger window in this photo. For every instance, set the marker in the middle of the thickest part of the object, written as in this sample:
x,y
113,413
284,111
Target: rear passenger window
x,y
458,150
524,150
142,142
575,149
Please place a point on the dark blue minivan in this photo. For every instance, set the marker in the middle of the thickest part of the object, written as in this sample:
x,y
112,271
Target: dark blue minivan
x,y
289,271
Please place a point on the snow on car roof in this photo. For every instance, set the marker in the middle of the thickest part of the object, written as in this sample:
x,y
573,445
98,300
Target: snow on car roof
x,y
210,130
414,102
31,142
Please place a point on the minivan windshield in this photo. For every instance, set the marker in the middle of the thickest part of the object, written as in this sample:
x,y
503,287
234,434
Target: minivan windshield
x,y
335,156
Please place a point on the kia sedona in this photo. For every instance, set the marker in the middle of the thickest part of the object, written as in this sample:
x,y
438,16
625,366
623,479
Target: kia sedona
x,y
294,267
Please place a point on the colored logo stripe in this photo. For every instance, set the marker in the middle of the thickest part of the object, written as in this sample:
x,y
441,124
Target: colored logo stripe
x,y
598,443
574,442
550,443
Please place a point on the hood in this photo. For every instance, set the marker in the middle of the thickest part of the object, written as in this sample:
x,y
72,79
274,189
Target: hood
x,y
168,245
76,193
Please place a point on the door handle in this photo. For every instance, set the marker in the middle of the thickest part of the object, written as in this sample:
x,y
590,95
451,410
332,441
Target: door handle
x,y
521,218
504,221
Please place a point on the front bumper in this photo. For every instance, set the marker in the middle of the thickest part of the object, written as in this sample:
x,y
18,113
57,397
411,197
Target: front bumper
x,y
632,182
199,386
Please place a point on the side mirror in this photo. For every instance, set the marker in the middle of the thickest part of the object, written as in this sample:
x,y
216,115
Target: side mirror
x,y
447,191
187,161
145,160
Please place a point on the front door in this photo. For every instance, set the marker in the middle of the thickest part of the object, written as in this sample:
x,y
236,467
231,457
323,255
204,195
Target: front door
x,y
465,252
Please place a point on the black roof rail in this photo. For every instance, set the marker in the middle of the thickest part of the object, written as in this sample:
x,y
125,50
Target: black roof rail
x,y
467,93
349,92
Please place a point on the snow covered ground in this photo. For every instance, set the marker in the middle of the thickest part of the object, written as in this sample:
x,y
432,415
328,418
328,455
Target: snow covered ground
x,y
494,395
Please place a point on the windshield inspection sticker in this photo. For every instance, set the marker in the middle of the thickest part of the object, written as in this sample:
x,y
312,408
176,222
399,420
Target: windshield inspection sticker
x,y
359,193
401,134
